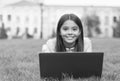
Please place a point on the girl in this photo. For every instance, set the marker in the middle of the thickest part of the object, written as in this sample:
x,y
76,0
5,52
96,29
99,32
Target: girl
x,y
69,37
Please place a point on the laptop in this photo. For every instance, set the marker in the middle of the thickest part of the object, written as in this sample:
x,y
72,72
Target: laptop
x,y
72,65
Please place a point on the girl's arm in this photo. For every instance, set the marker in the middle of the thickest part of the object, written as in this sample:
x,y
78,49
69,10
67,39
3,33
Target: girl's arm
x,y
45,48
87,45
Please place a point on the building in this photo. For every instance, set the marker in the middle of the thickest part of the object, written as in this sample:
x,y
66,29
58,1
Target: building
x,y
20,18
40,20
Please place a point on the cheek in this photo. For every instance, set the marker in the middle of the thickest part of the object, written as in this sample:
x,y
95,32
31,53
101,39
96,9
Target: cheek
x,y
62,32
77,33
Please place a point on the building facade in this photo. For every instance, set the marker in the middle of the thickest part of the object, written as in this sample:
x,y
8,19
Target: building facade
x,y
26,19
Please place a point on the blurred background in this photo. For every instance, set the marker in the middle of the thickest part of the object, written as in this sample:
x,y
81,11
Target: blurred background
x,y
38,19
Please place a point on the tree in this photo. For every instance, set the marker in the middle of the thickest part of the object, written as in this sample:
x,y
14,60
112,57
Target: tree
x,y
92,23
3,33
116,29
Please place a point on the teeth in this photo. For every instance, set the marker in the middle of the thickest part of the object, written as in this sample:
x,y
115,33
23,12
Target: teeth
x,y
69,37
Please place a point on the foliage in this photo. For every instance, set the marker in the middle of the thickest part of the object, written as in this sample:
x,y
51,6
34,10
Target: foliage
x,y
116,29
92,22
3,33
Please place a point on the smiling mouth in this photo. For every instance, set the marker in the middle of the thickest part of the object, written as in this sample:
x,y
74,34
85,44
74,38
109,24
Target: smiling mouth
x,y
70,38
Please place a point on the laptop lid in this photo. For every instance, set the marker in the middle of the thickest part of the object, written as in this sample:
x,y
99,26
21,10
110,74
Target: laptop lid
x,y
76,65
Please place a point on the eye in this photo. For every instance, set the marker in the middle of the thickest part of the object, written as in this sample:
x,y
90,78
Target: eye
x,y
74,28
65,28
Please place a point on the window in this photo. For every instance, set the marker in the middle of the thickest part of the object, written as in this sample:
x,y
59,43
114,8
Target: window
x,y
17,19
106,20
1,17
9,17
27,19
114,19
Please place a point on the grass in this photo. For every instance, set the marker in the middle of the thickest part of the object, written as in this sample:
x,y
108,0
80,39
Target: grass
x,y
19,59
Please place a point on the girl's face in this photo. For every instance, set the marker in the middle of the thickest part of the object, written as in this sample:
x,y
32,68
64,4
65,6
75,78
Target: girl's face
x,y
69,31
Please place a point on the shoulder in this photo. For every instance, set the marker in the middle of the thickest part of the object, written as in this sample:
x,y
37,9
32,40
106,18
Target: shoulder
x,y
87,45
87,40
51,41
49,46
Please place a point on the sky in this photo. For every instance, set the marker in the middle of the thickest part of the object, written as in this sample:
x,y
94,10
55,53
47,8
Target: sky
x,y
72,2
85,2
4,2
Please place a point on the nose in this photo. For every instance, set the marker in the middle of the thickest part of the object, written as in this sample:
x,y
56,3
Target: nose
x,y
70,32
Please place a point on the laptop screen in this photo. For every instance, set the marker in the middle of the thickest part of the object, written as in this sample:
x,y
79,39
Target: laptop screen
x,y
76,65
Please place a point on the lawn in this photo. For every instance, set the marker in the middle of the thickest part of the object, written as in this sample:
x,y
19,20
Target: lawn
x,y
19,59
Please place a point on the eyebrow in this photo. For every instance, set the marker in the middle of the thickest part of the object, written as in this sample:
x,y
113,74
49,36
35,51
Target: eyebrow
x,y
75,27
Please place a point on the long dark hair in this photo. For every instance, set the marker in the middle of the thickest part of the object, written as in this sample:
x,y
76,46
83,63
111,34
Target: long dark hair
x,y
79,46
